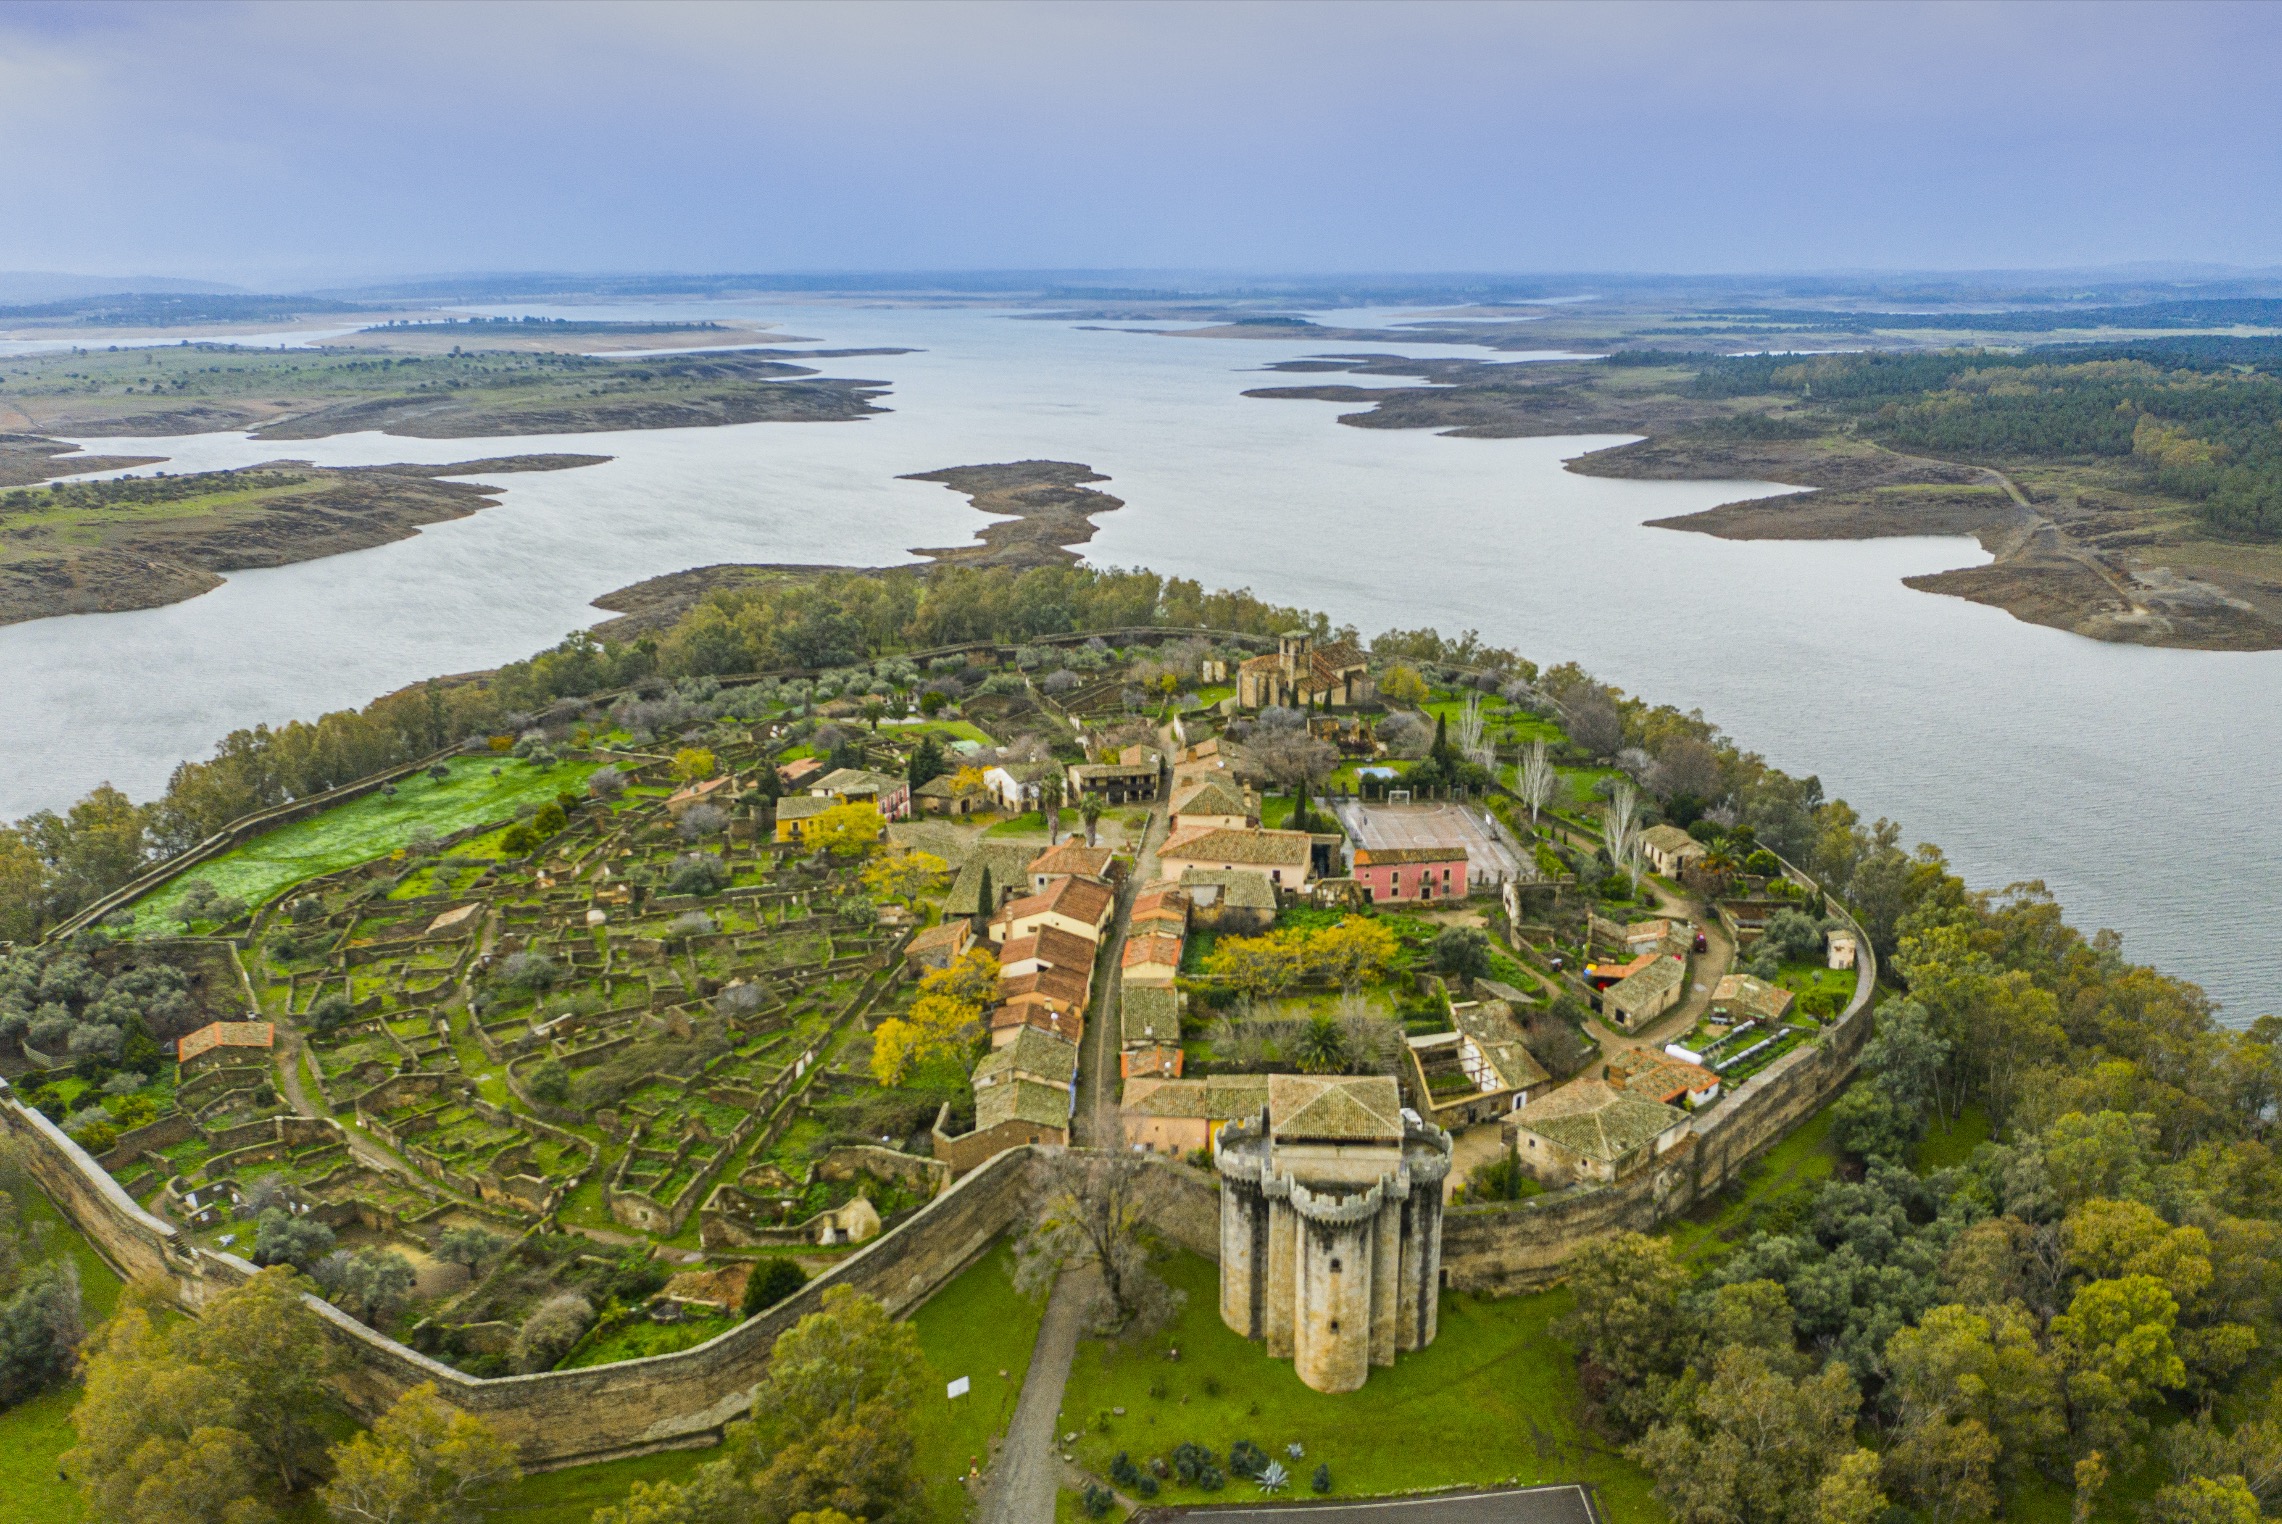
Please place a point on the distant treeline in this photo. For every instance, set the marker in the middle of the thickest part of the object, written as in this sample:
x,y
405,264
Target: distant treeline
x,y
160,310
2256,311
550,325
2199,428
53,863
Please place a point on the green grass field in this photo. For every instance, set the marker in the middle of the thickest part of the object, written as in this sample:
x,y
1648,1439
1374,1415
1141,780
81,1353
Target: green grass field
x,y
1493,1398
367,828
34,1433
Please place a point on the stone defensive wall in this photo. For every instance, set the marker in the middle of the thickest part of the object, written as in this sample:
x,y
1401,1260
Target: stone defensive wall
x,y
598,1412
1501,1247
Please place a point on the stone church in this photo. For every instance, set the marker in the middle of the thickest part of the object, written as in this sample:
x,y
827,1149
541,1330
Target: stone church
x,y
1331,1226
1302,674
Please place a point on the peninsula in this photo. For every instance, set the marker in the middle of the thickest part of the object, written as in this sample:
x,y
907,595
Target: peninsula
x,y
2107,483
143,541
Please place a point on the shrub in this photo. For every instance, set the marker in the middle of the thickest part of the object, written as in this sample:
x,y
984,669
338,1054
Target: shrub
x,y
1097,1500
1123,1472
1058,683
549,1081
40,1326
690,923
519,841
549,820
1321,1481
1793,934
1246,1459
700,821
1462,951
770,1282
549,1332
1191,1460
370,1285
606,783
697,873
529,971
269,1192
740,1000
281,1238
327,1012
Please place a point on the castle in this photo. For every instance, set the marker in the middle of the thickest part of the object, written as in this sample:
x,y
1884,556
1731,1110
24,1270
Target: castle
x,y
1331,1226
1301,675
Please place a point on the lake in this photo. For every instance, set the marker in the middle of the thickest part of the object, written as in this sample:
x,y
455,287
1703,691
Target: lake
x,y
2138,784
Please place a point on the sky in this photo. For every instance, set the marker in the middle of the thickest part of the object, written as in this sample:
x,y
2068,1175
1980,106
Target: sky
x,y
284,146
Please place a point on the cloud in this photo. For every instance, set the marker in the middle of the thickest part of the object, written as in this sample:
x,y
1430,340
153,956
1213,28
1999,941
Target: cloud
x,y
246,141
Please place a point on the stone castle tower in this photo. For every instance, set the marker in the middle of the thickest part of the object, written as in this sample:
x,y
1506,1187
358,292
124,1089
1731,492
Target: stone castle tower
x,y
1331,1227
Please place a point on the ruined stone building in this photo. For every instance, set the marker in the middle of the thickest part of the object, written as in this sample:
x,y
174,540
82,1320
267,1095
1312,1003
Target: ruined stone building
x,y
1331,1226
1302,674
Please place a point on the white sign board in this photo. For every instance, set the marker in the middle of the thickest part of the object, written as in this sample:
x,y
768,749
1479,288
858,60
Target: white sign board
x,y
957,1388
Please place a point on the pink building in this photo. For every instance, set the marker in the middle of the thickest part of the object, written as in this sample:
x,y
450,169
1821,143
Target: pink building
x,y
1411,873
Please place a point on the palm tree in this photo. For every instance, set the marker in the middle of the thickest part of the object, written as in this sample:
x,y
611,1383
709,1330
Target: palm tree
x,y
1090,810
1321,1046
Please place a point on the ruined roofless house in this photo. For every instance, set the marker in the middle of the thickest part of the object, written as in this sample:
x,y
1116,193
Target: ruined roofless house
x,y
1331,1227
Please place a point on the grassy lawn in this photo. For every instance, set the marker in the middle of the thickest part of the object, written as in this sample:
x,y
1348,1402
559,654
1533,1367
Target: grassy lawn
x,y
1778,1180
975,1327
1943,1146
367,828
34,1433
1494,1398
1031,824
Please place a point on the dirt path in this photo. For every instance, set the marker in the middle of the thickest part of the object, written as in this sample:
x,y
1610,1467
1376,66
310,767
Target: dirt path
x,y
1028,1469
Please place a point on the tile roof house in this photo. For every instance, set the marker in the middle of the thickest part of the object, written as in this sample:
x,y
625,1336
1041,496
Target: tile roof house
x,y
705,791
1075,905
1046,947
1589,1130
890,793
794,814
1746,996
1009,1112
1151,959
1213,801
938,946
1008,865
1114,782
1476,1072
800,767
1159,907
1411,873
225,1042
1071,858
1149,1020
1646,993
1229,900
943,795
1671,850
1008,1020
1068,990
1017,786
1179,1117
1032,1055
1284,858
1653,1076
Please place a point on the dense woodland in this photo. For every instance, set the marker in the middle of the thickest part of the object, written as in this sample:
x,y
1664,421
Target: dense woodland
x,y
2193,424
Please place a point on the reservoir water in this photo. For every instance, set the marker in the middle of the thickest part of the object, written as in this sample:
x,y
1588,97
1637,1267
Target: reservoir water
x,y
2138,784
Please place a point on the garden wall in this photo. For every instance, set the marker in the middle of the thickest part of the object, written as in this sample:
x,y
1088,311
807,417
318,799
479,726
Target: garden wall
x,y
1505,1247
601,1411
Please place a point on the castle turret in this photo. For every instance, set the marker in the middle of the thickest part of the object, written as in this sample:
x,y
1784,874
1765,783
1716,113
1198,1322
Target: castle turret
x,y
1331,1226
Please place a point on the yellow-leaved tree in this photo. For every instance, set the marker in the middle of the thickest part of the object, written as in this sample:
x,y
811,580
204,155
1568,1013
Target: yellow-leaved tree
x,y
424,1460
906,876
945,1021
848,830
693,764
1353,952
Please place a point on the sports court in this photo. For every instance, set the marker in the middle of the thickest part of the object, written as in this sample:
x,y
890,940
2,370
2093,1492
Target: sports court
x,y
1380,827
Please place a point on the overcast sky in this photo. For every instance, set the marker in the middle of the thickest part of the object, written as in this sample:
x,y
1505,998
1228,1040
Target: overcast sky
x,y
277,144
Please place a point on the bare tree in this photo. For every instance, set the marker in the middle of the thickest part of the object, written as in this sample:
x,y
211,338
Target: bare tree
x,y
1285,755
1473,741
1537,778
1620,828
1092,1215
